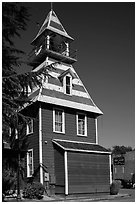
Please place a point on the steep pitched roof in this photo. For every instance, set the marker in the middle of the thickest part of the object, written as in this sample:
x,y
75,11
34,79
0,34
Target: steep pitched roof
x,y
52,90
52,23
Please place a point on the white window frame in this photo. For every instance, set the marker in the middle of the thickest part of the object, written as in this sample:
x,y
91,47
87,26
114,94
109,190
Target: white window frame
x,y
64,83
28,168
63,121
85,124
27,130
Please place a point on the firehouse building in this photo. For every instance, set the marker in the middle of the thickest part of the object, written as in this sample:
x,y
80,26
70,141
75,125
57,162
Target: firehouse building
x,y
63,151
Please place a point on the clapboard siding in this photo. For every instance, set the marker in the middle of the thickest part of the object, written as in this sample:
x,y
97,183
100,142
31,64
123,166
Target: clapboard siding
x,y
88,172
70,134
33,140
59,170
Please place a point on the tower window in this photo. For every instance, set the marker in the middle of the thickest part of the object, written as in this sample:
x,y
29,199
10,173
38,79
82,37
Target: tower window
x,y
68,85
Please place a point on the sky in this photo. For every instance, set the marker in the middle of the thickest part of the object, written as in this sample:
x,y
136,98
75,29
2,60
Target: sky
x,y
104,38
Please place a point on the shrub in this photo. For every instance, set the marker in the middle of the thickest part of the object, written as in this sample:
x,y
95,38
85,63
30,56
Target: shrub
x,y
34,190
115,187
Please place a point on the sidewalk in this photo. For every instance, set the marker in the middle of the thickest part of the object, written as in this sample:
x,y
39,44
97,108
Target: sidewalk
x,y
72,198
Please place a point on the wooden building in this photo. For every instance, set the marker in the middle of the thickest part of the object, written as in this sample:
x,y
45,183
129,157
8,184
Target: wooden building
x,y
63,120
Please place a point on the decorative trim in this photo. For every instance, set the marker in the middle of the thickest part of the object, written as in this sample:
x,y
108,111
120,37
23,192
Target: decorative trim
x,y
66,172
40,144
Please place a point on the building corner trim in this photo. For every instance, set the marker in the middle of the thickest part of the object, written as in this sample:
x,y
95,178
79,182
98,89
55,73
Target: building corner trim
x,y
40,144
66,172
96,124
110,168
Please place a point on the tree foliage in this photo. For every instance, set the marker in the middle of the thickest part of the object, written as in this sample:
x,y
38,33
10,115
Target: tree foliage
x,y
120,149
14,84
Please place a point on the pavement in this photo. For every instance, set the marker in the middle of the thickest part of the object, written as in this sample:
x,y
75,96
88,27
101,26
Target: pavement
x,y
72,198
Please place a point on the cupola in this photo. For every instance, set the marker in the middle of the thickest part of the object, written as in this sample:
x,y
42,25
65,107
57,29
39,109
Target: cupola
x,y
52,41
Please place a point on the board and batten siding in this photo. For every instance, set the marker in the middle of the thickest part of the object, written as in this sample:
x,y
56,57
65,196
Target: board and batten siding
x,y
70,134
88,172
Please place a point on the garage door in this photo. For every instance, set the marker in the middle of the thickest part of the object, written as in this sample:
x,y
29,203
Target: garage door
x,y
88,172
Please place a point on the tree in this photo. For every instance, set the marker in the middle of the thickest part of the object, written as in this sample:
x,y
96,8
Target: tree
x,y
14,87
120,149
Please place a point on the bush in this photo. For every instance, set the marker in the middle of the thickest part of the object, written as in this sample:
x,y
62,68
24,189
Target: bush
x,y
115,187
34,190
8,181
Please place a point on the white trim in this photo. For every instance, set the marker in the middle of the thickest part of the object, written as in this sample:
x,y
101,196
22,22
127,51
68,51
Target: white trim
x,y
66,172
40,144
72,141
96,124
63,120
28,172
70,104
85,124
88,151
110,168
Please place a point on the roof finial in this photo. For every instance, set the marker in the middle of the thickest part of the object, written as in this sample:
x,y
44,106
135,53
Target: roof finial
x,y
51,6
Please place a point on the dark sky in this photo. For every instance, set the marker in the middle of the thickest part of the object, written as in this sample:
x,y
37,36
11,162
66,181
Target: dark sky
x,y
104,37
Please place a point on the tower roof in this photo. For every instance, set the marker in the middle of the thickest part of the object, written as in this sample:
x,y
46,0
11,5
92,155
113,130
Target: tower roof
x,y
53,24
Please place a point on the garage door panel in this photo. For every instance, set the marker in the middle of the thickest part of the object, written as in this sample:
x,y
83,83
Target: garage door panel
x,y
88,172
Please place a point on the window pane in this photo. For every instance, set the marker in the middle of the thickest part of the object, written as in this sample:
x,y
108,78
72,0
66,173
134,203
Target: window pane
x,y
58,121
81,124
68,85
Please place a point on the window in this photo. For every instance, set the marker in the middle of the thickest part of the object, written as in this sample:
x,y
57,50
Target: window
x,y
58,121
68,85
30,126
30,163
81,125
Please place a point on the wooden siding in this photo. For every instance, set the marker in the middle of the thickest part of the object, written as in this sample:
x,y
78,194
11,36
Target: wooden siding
x,y
88,173
33,140
70,134
59,170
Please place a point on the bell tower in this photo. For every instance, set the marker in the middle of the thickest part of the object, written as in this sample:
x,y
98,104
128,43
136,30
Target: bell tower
x,y
52,41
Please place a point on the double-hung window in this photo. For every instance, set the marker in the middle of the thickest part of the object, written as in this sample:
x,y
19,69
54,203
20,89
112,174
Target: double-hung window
x,y
30,163
30,126
58,121
81,124
68,85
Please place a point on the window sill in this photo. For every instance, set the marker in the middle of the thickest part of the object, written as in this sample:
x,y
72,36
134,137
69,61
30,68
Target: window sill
x,y
29,133
81,135
59,132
